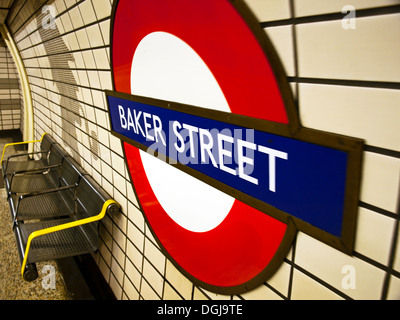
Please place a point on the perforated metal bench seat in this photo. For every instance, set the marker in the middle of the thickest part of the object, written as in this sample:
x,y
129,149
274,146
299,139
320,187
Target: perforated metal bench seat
x,y
20,165
70,236
32,182
51,195
38,175
65,243
55,211
42,205
18,162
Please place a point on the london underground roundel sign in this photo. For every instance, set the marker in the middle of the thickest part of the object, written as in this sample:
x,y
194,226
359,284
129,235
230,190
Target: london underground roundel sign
x,y
223,171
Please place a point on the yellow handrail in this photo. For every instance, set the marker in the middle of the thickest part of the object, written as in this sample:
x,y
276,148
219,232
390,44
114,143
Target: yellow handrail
x,y
17,143
63,227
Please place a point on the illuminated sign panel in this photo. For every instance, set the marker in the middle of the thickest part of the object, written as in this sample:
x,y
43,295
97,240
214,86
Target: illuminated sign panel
x,y
305,180
223,171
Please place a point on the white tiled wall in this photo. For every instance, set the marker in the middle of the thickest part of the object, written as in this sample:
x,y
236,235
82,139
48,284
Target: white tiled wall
x,y
371,113
380,183
313,7
327,264
345,81
368,52
270,10
378,246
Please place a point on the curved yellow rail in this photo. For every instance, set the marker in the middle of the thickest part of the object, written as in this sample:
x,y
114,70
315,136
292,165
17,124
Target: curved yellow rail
x,y
17,143
63,227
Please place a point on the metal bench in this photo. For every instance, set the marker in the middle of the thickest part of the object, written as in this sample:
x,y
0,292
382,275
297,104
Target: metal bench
x,y
55,209
10,166
22,174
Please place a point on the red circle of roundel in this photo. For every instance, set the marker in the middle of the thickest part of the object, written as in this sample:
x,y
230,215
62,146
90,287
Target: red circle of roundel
x,y
240,251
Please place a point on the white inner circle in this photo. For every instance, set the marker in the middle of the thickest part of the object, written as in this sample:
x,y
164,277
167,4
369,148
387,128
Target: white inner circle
x,y
165,67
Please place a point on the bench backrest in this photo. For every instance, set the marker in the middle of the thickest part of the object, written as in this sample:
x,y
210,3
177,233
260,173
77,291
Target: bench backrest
x,y
90,197
56,157
69,175
45,147
56,154
70,172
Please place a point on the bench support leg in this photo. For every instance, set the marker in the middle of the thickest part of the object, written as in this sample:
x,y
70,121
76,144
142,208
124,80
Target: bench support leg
x,y
30,273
